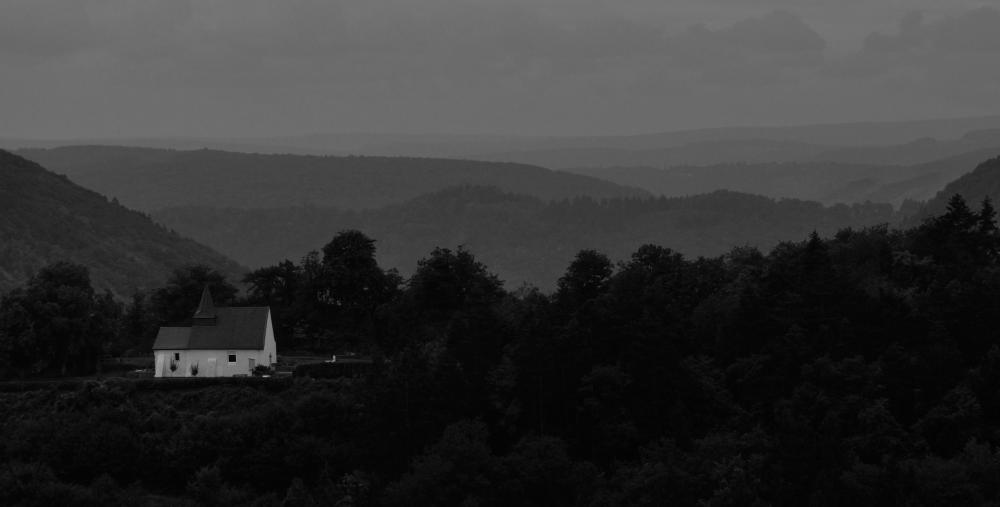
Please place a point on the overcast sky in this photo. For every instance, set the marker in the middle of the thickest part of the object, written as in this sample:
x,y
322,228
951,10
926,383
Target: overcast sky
x,y
236,68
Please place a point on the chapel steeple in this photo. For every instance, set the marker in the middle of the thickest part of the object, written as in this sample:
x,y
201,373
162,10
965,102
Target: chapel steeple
x,y
205,314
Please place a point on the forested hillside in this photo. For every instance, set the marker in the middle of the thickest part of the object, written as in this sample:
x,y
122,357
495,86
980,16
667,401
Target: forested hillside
x,y
149,179
983,182
46,218
860,369
524,239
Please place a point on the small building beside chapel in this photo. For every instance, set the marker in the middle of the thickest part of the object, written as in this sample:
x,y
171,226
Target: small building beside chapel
x,y
220,342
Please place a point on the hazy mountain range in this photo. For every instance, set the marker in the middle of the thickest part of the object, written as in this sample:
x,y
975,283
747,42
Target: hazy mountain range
x,y
150,179
824,181
46,218
523,220
522,238
758,150
784,141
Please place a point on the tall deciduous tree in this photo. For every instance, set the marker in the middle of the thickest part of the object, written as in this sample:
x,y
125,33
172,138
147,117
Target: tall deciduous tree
x,y
343,291
138,324
279,287
585,279
19,351
355,284
452,281
57,323
177,301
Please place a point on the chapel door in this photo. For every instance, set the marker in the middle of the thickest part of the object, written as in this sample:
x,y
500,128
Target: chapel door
x,y
252,364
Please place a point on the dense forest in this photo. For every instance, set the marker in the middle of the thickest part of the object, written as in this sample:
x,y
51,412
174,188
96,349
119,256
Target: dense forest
x,y
862,368
45,218
521,238
150,179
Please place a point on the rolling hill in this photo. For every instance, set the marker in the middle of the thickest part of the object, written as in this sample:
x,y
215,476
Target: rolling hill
x,y
150,179
827,182
757,150
45,218
982,182
836,135
698,153
522,238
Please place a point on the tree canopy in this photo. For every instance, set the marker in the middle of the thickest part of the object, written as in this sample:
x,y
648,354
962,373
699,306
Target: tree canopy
x,y
861,368
56,323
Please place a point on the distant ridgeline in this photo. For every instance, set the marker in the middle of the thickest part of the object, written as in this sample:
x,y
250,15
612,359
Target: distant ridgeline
x,y
150,179
522,238
524,221
526,239
981,183
826,181
45,218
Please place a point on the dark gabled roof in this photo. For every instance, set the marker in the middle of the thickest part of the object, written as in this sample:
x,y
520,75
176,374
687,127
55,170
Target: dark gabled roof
x,y
172,338
237,328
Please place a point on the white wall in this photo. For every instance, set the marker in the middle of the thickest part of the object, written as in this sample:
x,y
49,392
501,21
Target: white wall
x,y
221,367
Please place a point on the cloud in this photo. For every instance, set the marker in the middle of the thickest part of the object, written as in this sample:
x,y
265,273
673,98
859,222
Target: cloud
x,y
951,58
39,28
975,31
448,65
777,32
972,31
46,29
222,41
754,50
477,33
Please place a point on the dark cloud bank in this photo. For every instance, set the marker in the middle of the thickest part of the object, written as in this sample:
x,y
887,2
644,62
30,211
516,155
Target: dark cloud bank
x,y
243,68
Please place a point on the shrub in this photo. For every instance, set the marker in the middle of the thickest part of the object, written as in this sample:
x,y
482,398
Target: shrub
x,y
331,370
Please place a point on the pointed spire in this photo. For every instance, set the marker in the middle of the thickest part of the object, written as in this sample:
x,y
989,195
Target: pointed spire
x,y
206,309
